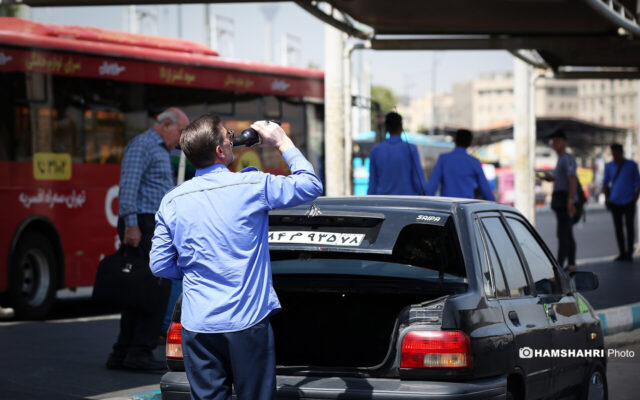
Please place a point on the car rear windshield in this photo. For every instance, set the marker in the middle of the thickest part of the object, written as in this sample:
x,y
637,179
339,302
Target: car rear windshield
x,y
307,263
424,252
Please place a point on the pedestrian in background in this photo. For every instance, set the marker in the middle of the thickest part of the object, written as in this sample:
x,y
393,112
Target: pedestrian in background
x,y
145,177
563,199
459,174
394,165
212,232
621,186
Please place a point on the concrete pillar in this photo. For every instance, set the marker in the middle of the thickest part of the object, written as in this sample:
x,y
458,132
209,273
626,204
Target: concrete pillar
x,y
334,134
524,135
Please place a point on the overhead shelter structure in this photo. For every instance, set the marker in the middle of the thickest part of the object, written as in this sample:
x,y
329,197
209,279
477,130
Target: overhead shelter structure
x,y
571,38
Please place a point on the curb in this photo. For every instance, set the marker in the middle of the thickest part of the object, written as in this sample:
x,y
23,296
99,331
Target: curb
x,y
619,319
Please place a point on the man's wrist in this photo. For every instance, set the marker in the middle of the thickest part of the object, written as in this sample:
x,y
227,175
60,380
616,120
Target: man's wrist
x,y
285,145
131,220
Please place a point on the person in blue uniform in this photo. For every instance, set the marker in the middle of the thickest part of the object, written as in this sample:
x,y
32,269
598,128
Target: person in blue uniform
x,y
394,165
459,174
212,232
621,187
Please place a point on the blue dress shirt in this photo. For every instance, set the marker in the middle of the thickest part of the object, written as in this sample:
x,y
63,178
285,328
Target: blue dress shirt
x,y
458,174
212,231
394,168
623,190
145,176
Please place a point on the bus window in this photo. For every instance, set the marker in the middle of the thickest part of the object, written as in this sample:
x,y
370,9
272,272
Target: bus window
x,y
272,109
104,136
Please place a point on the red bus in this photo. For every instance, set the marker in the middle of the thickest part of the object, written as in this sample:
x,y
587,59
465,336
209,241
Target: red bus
x,y
72,97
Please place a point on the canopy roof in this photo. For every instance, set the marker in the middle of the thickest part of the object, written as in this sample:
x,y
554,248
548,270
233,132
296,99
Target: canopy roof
x,y
576,38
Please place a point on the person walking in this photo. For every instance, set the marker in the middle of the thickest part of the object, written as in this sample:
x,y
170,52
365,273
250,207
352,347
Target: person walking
x,y
621,187
563,199
394,165
145,176
459,174
212,232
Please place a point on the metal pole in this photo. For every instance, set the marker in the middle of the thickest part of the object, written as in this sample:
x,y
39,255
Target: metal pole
x,y
637,155
524,135
348,128
334,142
348,134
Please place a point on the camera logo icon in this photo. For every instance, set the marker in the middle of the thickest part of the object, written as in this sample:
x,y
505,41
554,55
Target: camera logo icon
x,y
525,352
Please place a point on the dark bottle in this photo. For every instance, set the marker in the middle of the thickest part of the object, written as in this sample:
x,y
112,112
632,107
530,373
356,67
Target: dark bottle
x,y
249,137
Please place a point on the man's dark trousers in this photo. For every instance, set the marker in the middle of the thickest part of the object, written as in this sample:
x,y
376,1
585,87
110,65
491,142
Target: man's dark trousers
x,y
246,359
566,242
139,330
628,211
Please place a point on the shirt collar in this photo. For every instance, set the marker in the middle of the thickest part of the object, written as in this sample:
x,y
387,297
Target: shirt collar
x,y
394,138
156,136
459,150
211,168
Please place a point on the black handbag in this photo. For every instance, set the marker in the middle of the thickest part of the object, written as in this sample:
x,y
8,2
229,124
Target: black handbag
x,y
125,282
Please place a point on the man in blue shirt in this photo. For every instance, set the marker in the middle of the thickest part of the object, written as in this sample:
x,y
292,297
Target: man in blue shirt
x,y
145,176
394,165
563,199
212,232
621,186
459,174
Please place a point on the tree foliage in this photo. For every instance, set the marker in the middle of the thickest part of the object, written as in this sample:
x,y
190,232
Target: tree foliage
x,y
9,10
385,99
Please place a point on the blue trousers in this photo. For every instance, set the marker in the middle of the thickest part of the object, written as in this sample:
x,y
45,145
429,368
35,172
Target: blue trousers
x,y
246,359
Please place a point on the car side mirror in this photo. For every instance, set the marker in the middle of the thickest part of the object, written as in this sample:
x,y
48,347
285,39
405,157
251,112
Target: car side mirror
x,y
584,281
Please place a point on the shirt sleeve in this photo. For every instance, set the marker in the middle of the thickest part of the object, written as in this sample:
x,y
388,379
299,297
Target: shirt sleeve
x,y
435,179
134,163
607,175
164,255
373,175
483,184
301,186
417,176
571,166
636,176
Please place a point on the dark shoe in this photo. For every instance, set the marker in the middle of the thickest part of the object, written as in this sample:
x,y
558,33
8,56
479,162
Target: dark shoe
x,y
144,363
629,258
570,268
115,361
621,257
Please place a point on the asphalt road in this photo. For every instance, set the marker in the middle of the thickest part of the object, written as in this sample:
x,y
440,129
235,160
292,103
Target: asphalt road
x,y
63,358
595,237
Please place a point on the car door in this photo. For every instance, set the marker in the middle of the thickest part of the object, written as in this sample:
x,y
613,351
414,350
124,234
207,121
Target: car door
x,y
523,312
568,331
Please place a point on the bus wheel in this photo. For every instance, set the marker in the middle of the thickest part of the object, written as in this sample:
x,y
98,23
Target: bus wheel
x,y
34,274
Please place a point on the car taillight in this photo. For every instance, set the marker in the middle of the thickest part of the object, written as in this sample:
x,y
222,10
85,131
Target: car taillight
x,y
174,340
435,349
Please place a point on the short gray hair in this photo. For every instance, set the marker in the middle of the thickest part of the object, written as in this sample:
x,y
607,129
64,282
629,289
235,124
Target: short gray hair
x,y
168,115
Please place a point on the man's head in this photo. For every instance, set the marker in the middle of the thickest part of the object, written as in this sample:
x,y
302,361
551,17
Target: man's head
x,y
558,141
463,138
170,124
393,123
616,152
206,142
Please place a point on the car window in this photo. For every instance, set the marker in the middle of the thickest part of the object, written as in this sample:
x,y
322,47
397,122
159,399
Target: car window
x,y
484,265
540,266
508,256
498,276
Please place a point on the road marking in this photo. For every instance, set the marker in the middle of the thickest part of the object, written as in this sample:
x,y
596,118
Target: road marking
x,y
146,395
